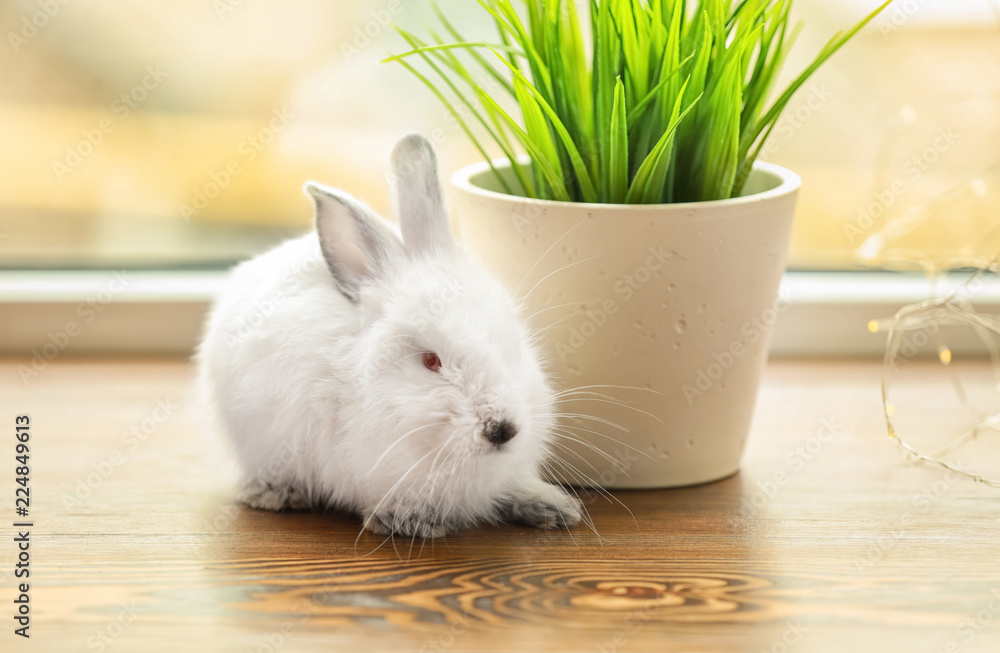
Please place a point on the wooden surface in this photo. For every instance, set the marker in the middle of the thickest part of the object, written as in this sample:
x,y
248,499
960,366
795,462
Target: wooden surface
x,y
851,550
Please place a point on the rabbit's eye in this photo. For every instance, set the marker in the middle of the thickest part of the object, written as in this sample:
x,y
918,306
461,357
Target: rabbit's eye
x,y
432,361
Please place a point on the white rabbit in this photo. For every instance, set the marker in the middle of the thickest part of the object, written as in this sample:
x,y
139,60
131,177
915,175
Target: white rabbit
x,y
389,376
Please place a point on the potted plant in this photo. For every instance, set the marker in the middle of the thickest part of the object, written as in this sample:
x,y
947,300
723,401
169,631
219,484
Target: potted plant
x,y
646,240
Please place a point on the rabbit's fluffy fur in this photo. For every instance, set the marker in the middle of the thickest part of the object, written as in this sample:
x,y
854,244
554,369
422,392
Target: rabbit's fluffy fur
x,y
315,362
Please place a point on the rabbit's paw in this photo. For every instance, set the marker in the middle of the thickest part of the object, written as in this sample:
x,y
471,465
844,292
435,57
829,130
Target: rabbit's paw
x,y
544,506
276,497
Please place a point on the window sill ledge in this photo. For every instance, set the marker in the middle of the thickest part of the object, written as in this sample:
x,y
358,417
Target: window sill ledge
x,y
161,312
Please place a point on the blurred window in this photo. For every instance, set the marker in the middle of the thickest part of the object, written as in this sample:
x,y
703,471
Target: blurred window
x,y
157,134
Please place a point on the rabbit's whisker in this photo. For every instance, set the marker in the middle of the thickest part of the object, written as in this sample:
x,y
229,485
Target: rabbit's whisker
x,y
542,257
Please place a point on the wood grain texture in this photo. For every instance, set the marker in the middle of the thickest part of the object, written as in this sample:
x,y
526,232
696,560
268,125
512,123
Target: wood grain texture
x,y
826,541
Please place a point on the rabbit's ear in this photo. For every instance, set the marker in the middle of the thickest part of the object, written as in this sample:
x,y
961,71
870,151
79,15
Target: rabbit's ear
x,y
357,244
423,218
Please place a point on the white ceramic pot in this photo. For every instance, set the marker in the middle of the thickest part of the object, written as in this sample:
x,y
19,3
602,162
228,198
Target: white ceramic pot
x,y
661,310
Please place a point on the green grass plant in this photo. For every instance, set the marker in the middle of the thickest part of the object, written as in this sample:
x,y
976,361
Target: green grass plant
x,y
660,101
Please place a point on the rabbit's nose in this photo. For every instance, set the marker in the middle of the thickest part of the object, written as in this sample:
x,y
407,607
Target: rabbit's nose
x,y
499,432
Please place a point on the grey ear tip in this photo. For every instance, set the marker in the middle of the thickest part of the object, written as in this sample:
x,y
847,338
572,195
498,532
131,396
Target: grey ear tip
x,y
316,189
320,193
414,139
313,189
410,146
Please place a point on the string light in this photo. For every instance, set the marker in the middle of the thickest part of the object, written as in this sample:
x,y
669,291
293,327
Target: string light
x,y
954,310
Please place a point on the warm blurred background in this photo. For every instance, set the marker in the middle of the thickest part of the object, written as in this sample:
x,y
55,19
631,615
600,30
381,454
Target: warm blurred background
x,y
178,134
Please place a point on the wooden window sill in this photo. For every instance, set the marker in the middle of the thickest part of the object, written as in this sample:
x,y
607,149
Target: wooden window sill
x,y
847,547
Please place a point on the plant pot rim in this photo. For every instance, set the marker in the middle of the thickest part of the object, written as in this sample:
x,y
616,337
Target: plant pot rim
x,y
789,184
